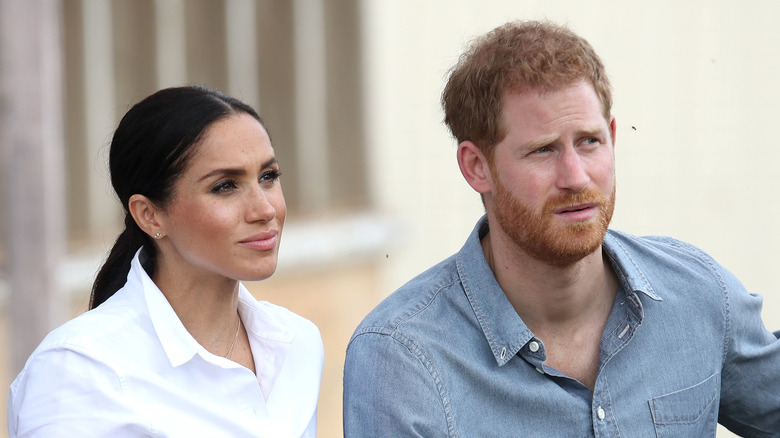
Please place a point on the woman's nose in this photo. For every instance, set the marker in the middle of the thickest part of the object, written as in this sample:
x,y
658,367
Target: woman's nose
x,y
259,206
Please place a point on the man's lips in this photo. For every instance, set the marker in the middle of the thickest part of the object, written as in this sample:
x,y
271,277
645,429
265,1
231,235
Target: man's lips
x,y
580,212
264,241
576,208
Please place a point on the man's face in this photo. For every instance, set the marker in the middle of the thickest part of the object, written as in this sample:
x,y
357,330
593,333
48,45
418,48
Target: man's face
x,y
553,176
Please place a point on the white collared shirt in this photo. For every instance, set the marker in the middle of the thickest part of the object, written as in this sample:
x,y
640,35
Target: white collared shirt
x,y
129,368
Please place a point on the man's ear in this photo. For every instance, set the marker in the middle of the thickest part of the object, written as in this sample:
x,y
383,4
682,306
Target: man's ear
x,y
613,130
474,167
146,215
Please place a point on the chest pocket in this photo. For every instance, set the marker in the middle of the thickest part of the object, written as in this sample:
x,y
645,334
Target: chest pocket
x,y
692,411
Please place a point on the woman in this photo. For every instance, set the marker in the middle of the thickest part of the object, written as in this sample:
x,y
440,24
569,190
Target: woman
x,y
174,345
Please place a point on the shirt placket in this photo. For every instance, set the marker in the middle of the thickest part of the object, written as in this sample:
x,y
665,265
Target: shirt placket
x,y
628,314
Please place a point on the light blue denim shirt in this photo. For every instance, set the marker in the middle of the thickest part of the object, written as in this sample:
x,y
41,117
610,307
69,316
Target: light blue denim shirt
x,y
684,347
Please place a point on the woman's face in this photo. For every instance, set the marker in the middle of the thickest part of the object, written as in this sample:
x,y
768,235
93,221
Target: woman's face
x,y
228,210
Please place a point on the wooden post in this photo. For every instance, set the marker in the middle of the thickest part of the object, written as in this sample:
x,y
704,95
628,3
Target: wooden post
x,y
31,138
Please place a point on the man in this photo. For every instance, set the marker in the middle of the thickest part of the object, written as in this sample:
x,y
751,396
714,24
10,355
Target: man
x,y
546,323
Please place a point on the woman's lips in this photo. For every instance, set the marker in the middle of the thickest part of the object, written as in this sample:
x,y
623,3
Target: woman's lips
x,y
265,241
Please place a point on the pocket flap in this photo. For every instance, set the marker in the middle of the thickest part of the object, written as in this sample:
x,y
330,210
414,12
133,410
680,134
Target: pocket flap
x,y
686,405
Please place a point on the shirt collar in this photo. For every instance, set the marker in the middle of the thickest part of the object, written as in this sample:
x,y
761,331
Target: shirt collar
x,y
269,337
504,329
259,321
625,267
178,343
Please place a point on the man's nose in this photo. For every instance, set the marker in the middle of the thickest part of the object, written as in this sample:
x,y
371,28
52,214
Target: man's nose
x,y
571,171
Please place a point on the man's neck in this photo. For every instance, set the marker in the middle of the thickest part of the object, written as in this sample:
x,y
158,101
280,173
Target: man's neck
x,y
552,298
566,307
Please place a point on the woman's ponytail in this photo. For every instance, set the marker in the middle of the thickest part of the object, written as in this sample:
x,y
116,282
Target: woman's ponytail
x,y
113,273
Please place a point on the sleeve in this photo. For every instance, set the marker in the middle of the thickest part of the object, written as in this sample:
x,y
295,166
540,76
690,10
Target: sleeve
x,y
391,389
750,385
62,392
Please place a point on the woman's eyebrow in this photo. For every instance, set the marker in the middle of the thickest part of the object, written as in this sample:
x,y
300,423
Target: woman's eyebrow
x,y
224,171
229,171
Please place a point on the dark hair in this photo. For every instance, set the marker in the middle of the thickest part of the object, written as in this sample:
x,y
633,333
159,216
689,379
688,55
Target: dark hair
x,y
150,149
518,56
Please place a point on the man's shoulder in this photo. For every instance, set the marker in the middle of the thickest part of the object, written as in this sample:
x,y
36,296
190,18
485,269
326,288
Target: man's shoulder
x,y
652,261
654,246
413,301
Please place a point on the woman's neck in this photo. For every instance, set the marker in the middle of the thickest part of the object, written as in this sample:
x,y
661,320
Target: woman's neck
x,y
206,304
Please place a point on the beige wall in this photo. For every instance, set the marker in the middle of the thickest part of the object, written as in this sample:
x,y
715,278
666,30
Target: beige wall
x,y
694,78
696,82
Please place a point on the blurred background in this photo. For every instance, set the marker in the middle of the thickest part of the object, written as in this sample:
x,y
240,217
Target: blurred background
x,y
349,90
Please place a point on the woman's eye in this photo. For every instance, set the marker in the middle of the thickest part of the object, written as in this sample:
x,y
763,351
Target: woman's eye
x,y
270,176
224,187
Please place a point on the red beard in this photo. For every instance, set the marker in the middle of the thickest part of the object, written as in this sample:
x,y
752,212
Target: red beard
x,y
539,235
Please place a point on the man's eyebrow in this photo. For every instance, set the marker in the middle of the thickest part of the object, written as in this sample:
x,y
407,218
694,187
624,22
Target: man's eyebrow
x,y
550,139
594,131
540,142
229,171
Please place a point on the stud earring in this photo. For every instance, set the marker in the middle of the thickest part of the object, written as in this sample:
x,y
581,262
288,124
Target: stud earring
x,y
158,235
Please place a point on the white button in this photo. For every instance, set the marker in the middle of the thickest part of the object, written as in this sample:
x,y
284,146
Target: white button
x,y
600,413
541,371
533,346
503,353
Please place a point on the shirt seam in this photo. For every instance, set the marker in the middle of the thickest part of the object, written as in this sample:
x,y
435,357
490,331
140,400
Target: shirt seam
x,y
427,364
613,421
415,349
413,311
726,310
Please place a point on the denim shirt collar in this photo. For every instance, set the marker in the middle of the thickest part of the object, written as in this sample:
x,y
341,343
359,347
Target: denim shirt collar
x,y
505,331
628,272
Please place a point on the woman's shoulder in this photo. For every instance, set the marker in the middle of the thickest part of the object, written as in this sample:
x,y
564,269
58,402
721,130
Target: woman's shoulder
x,y
274,321
290,318
75,373
98,330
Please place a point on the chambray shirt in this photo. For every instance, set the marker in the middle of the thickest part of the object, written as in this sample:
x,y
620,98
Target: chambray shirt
x,y
683,348
129,368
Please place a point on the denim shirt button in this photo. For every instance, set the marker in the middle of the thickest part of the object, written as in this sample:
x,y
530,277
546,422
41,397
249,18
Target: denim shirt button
x,y
533,346
600,413
503,353
541,371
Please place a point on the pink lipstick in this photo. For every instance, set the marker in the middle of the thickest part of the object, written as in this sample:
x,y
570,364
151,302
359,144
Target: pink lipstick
x,y
265,241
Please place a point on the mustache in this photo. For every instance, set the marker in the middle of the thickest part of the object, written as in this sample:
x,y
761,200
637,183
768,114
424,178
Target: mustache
x,y
564,200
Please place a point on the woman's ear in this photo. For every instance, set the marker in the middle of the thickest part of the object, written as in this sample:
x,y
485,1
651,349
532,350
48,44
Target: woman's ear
x,y
474,167
146,215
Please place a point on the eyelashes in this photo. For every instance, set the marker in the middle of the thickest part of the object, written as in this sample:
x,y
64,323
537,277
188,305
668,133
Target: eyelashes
x,y
270,175
225,186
